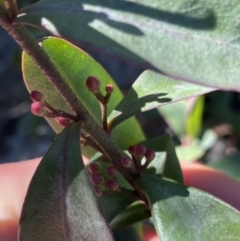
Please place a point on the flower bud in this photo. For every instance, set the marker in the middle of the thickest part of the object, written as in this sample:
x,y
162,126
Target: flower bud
x,y
36,96
62,121
140,150
93,84
126,161
38,108
93,167
131,149
111,171
150,155
112,185
97,179
109,89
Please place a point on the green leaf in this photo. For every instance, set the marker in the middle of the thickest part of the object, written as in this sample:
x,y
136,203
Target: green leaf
x,y
174,115
134,213
129,233
60,202
113,203
183,213
195,41
194,116
165,163
150,91
76,66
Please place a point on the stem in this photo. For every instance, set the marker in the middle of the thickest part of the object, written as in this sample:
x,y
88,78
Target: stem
x,y
103,107
12,8
103,139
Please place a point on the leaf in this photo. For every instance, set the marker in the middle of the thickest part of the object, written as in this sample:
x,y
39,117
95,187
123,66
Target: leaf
x,y
185,213
194,116
76,66
165,163
174,115
196,41
60,202
113,203
150,91
134,213
130,233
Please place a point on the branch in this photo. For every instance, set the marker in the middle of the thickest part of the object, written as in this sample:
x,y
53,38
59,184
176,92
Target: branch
x,y
41,59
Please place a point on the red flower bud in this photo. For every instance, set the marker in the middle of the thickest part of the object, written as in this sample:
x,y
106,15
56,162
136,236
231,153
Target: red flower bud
x,y
140,150
126,161
62,121
93,84
111,171
150,155
93,167
112,185
38,108
97,179
36,96
109,89
131,149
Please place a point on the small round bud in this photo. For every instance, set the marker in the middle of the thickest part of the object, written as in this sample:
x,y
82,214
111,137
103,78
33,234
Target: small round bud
x,y
126,161
111,171
131,149
109,89
93,167
150,155
140,150
93,84
98,190
38,108
36,96
62,121
112,185
97,179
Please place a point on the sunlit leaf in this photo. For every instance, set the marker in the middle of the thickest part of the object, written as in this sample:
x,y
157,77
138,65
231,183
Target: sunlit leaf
x,y
183,213
76,66
150,91
195,41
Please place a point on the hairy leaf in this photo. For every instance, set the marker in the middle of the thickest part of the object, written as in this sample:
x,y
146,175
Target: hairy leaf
x,y
183,213
150,91
76,66
61,204
196,41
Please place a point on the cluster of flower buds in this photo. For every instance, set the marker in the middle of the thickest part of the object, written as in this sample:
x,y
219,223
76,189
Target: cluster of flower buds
x,y
138,152
94,85
41,107
103,182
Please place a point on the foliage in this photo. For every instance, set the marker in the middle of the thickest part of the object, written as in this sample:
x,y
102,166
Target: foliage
x,y
186,49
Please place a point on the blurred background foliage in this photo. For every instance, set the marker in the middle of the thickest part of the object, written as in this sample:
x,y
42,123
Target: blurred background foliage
x,y
205,128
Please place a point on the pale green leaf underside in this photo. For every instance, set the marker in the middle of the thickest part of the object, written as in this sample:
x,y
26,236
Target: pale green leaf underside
x,y
183,213
76,66
193,40
61,204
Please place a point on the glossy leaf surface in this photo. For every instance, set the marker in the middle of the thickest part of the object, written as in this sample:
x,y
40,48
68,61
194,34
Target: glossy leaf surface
x,y
76,66
183,213
150,91
61,204
196,41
